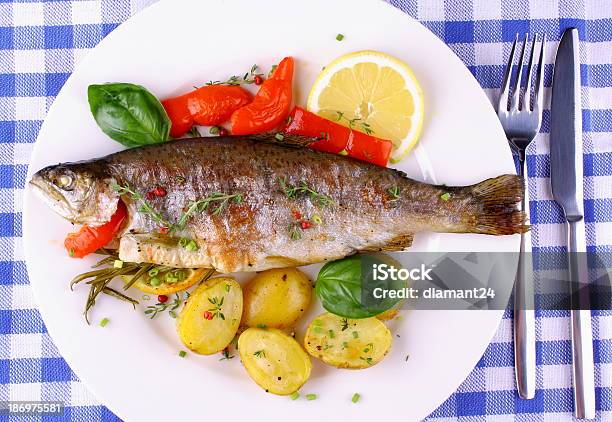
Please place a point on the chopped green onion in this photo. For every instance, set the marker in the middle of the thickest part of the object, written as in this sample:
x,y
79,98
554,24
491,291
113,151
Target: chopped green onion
x,y
355,334
182,353
146,297
295,395
343,152
331,334
214,130
344,344
279,136
118,263
171,278
155,282
311,396
71,252
316,219
339,37
445,196
317,322
264,326
191,246
183,242
355,398
153,272
104,322
318,330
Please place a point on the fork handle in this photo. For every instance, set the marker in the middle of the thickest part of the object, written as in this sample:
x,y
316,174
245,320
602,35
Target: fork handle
x,y
524,316
582,335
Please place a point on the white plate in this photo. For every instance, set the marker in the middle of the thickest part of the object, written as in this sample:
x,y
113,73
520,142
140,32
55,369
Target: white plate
x,y
132,364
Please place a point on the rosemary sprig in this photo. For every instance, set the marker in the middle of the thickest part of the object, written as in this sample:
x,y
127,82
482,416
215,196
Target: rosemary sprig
x,y
144,207
98,281
194,132
365,126
247,78
302,188
216,309
200,205
226,354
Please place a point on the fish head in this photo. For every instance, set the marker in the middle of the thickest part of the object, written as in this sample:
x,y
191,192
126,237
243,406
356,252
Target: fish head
x,y
80,192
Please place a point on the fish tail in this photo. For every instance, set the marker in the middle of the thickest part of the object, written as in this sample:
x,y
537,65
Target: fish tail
x,y
492,206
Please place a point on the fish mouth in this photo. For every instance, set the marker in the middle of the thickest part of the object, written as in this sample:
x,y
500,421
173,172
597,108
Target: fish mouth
x,y
54,199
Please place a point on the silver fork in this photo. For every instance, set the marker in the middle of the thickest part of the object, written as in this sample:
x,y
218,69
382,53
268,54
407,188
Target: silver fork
x,y
521,121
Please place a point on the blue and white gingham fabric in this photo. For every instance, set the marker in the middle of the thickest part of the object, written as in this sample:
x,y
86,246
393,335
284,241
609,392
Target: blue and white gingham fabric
x,y
42,41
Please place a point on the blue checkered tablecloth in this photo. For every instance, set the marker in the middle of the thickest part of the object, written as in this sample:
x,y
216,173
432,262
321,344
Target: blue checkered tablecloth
x,y
42,41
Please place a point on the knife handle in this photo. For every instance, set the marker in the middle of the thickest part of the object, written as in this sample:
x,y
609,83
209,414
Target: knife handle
x,y
524,316
582,335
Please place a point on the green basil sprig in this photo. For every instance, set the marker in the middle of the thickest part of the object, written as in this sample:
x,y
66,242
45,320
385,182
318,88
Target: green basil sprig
x,y
129,114
345,287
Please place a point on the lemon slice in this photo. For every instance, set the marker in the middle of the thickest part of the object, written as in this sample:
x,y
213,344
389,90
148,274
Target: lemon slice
x,y
189,277
379,90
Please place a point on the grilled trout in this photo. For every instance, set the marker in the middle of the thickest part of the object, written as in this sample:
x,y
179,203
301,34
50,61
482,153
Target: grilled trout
x,y
253,203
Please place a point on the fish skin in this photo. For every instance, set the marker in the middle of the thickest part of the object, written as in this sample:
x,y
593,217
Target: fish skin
x,y
255,234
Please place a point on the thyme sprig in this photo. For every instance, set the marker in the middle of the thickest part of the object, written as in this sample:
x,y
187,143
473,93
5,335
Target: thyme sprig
x,y
171,307
302,188
247,78
216,309
365,126
394,193
145,207
200,205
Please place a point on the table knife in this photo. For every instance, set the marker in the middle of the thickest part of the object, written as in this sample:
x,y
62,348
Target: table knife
x,y
566,174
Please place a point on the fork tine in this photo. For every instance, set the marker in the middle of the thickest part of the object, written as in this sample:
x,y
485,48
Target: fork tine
x,y
514,105
503,95
539,97
528,96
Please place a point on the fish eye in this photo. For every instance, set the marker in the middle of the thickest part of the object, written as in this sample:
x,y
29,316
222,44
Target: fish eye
x,y
65,182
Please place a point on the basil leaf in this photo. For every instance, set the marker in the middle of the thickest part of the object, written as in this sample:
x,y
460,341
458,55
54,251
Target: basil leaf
x,y
343,285
128,113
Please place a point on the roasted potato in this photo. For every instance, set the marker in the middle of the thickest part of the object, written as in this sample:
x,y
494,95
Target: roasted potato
x,y
275,361
171,281
276,298
347,343
211,317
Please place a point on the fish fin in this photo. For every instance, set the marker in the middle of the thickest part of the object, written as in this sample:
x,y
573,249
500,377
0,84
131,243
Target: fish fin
x,y
284,139
495,201
398,243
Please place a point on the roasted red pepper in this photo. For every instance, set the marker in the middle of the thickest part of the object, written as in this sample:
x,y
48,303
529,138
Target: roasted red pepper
x,y
210,105
271,104
90,239
338,139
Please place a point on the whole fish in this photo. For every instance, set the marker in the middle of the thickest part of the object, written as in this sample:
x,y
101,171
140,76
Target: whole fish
x,y
252,203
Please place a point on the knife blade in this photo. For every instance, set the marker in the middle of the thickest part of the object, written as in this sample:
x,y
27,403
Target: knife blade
x,y
566,172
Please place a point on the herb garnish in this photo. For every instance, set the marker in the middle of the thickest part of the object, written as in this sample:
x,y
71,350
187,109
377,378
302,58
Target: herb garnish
x,y
355,398
260,354
445,196
182,354
295,232
226,354
153,310
344,324
339,37
104,322
394,193
247,78
202,204
216,309
194,132
302,188
144,207
365,126
295,395
368,360
311,396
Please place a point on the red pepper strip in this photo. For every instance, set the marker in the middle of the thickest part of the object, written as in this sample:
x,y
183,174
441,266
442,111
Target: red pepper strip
x,y
210,105
90,239
338,139
271,104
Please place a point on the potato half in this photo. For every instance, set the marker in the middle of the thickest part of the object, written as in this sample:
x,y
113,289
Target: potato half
x,y
347,343
211,317
276,298
274,360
